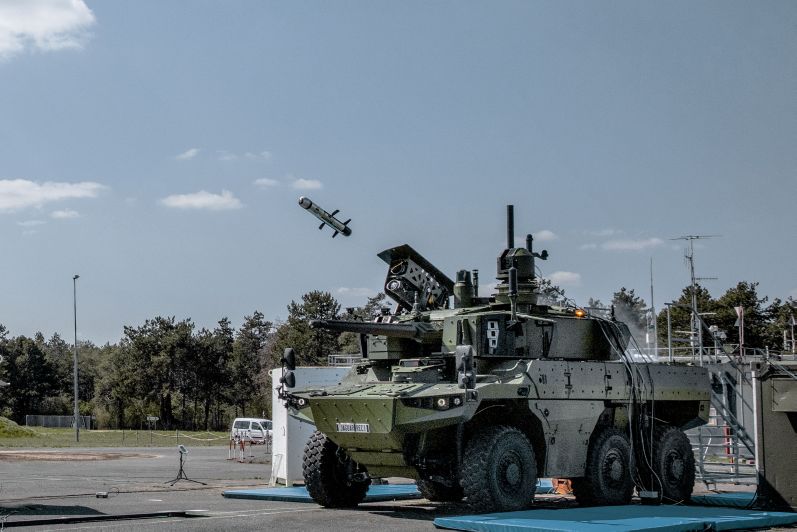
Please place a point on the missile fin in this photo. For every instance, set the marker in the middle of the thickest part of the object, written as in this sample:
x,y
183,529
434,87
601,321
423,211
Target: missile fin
x,y
335,212
322,225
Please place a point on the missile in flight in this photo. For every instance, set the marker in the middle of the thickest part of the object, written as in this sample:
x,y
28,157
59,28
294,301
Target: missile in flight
x,y
325,217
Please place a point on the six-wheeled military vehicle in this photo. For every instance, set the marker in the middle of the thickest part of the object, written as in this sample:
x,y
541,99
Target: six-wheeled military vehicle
x,y
477,399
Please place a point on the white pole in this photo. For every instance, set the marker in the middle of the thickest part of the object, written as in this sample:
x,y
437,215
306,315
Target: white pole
x,y
74,368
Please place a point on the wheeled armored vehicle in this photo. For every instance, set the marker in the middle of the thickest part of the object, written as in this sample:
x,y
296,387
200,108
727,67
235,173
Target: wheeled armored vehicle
x,y
477,399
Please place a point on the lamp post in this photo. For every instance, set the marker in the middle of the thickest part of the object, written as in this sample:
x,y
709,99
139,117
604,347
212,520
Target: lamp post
x,y
74,368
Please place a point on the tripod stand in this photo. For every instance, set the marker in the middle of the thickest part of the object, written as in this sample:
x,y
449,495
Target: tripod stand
x,y
181,474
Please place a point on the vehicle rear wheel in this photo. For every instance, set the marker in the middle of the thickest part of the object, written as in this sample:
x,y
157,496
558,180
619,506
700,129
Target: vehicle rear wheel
x,y
328,474
607,478
673,463
438,492
499,471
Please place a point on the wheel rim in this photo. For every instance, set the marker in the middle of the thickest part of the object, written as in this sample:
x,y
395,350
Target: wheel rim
x,y
510,472
613,468
674,467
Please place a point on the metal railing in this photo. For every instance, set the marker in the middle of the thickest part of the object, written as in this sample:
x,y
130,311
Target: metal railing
x,y
343,360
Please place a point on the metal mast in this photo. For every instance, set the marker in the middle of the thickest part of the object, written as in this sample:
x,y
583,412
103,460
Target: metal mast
x,y
690,257
653,314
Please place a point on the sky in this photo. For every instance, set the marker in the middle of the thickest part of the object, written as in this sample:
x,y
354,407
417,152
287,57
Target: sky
x,y
158,149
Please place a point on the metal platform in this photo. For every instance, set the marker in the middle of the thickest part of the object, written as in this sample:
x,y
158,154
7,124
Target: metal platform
x,y
376,493
619,519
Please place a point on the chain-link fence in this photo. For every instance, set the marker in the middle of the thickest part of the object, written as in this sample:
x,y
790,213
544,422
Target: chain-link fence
x,y
60,422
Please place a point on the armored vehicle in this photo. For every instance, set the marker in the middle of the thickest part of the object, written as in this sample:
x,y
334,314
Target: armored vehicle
x,y
477,399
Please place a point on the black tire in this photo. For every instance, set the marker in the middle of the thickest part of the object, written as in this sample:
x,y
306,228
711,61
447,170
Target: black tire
x,y
325,474
674,465
607,478
499,471
437,492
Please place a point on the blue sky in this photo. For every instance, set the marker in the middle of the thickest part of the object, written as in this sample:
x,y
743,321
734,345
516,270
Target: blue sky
x,y
157,148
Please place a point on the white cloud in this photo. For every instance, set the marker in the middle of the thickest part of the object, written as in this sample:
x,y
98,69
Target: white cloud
x,y
307,184
43,25
203,200
355,292
259,156
604,233
632,245
64,214
31,223
565,278
266,182
226,155
188,154
545,235
16,194
588,246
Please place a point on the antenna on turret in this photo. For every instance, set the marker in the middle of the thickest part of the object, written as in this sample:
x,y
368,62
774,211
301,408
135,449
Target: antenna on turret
x,y
510,226
513,292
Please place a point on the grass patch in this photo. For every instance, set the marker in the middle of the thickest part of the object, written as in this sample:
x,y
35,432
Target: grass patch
x,y
9,429
39,437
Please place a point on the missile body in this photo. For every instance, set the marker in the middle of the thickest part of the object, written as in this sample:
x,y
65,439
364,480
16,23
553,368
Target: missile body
x,y
325,217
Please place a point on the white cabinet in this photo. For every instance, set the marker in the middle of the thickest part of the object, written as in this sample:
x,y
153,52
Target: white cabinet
x,y
291,434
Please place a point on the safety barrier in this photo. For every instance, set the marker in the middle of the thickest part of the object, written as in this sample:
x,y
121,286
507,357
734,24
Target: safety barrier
x,y
239,446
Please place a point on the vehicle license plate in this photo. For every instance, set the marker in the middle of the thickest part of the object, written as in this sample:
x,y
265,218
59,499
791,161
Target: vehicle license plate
x,y
353,427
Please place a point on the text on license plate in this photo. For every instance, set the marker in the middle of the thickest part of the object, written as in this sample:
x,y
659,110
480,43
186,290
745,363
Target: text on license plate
x,y
352,427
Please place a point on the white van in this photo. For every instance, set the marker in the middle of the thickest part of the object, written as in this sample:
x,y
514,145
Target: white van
x,y
251,429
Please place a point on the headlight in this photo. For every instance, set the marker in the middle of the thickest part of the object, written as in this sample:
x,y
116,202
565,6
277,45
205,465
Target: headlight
x,y
434,403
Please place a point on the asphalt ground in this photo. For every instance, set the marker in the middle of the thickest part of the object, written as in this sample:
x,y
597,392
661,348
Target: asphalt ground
x,y
37,494
61,494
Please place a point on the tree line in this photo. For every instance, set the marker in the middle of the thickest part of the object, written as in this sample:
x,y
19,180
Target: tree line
x,y
190,378
199,379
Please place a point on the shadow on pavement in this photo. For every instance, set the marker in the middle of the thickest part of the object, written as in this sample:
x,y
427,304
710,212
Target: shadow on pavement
x,y
47,509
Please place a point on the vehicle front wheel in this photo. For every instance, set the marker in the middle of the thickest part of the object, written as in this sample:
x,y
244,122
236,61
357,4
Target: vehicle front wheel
x,y
499,471
329,474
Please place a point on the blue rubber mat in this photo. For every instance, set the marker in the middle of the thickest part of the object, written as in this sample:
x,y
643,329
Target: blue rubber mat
x,y
742,499
383,492
618,519
376,493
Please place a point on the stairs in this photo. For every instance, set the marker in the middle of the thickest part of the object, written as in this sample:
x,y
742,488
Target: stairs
x,y
721,455
725,447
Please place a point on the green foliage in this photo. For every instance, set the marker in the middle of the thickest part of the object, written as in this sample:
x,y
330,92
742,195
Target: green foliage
x,y
32,378
211,366
248,359
9,429
349,342
552,294
630,309
744,294
763,325
680,314
312,345
779,320
201,379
